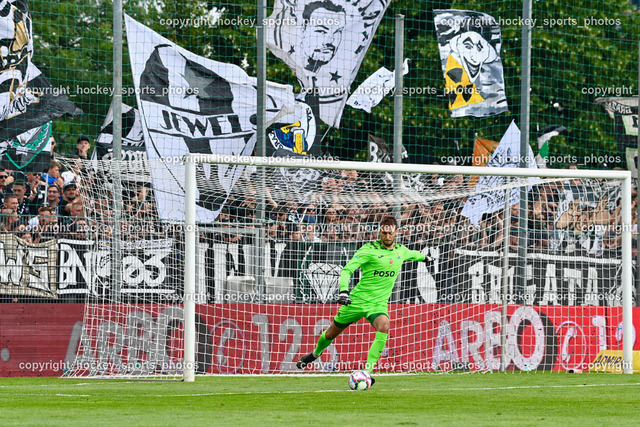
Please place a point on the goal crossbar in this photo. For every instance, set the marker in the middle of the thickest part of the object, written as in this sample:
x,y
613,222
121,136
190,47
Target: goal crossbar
x,y
302,163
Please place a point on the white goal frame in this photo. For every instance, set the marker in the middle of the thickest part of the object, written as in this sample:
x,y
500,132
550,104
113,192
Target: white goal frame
x,y
191,227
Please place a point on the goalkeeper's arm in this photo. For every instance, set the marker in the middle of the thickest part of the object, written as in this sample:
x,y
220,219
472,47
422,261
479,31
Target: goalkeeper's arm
x,y
418,256
360,257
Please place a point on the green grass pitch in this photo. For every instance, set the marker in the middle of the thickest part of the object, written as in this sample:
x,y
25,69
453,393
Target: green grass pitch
x,y
428,399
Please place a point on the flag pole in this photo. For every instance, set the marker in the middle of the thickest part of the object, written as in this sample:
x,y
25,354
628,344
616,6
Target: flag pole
x,y
261,69
637,301
524,149
397,122
116,255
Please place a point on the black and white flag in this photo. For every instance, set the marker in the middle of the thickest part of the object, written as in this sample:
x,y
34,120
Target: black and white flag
x,y
134,151
27,99
190,104
624,112
484,198
469,45
375,87
324,43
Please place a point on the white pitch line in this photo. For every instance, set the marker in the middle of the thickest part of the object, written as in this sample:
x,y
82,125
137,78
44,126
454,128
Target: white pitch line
x,y
53,395
43,385
248,393
245,393
73,395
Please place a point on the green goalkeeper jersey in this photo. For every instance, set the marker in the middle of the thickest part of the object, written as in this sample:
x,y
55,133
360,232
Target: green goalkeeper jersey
x,y
380,268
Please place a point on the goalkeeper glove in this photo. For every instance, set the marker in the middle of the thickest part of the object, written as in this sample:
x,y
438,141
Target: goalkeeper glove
x,y
427,259
343,298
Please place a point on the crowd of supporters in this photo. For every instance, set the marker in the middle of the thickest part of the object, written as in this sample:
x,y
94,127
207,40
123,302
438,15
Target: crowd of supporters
x,y
580,217
38,207
573,216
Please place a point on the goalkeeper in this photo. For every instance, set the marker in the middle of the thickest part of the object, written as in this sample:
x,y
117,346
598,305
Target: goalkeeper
x,y
380,262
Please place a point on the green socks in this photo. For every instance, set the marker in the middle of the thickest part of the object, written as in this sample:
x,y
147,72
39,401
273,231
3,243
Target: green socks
x,y
376,350
323,343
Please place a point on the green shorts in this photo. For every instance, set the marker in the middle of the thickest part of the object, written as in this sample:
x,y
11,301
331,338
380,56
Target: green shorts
x,y
348,314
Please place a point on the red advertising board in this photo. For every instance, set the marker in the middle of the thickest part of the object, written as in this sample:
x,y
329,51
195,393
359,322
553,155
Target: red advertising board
x,y
42,339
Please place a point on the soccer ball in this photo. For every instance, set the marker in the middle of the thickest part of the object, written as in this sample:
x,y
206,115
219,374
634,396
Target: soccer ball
x,y
359,380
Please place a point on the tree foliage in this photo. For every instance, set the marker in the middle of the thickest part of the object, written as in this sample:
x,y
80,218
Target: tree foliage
x,y
74,49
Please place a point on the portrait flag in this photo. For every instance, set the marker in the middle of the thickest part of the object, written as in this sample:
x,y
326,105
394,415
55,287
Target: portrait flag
x,y
191,104
469,44
324,43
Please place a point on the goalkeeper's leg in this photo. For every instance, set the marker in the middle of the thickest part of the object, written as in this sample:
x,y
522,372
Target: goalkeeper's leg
x,y
324,341
381,324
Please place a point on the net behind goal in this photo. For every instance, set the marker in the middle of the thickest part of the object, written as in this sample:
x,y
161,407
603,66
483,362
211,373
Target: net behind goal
x,y
241,275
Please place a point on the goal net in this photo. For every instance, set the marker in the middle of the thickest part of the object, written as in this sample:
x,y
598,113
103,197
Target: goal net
x,y
526,272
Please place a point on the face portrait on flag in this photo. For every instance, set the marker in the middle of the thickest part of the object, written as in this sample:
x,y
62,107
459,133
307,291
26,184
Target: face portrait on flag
x,y
324,43
469,45
322,25
472,50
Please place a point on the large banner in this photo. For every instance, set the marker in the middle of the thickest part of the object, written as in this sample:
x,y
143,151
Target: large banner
x,y
42,339
147,267
191,104
470,55
70,268
324,43
28,269
302,272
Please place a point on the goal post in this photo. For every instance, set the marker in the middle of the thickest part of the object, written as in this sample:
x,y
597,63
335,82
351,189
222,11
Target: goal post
x,y
190,271
516,173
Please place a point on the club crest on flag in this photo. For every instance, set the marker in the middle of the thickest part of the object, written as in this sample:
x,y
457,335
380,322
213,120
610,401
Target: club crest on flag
x,y
294,132
29,152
